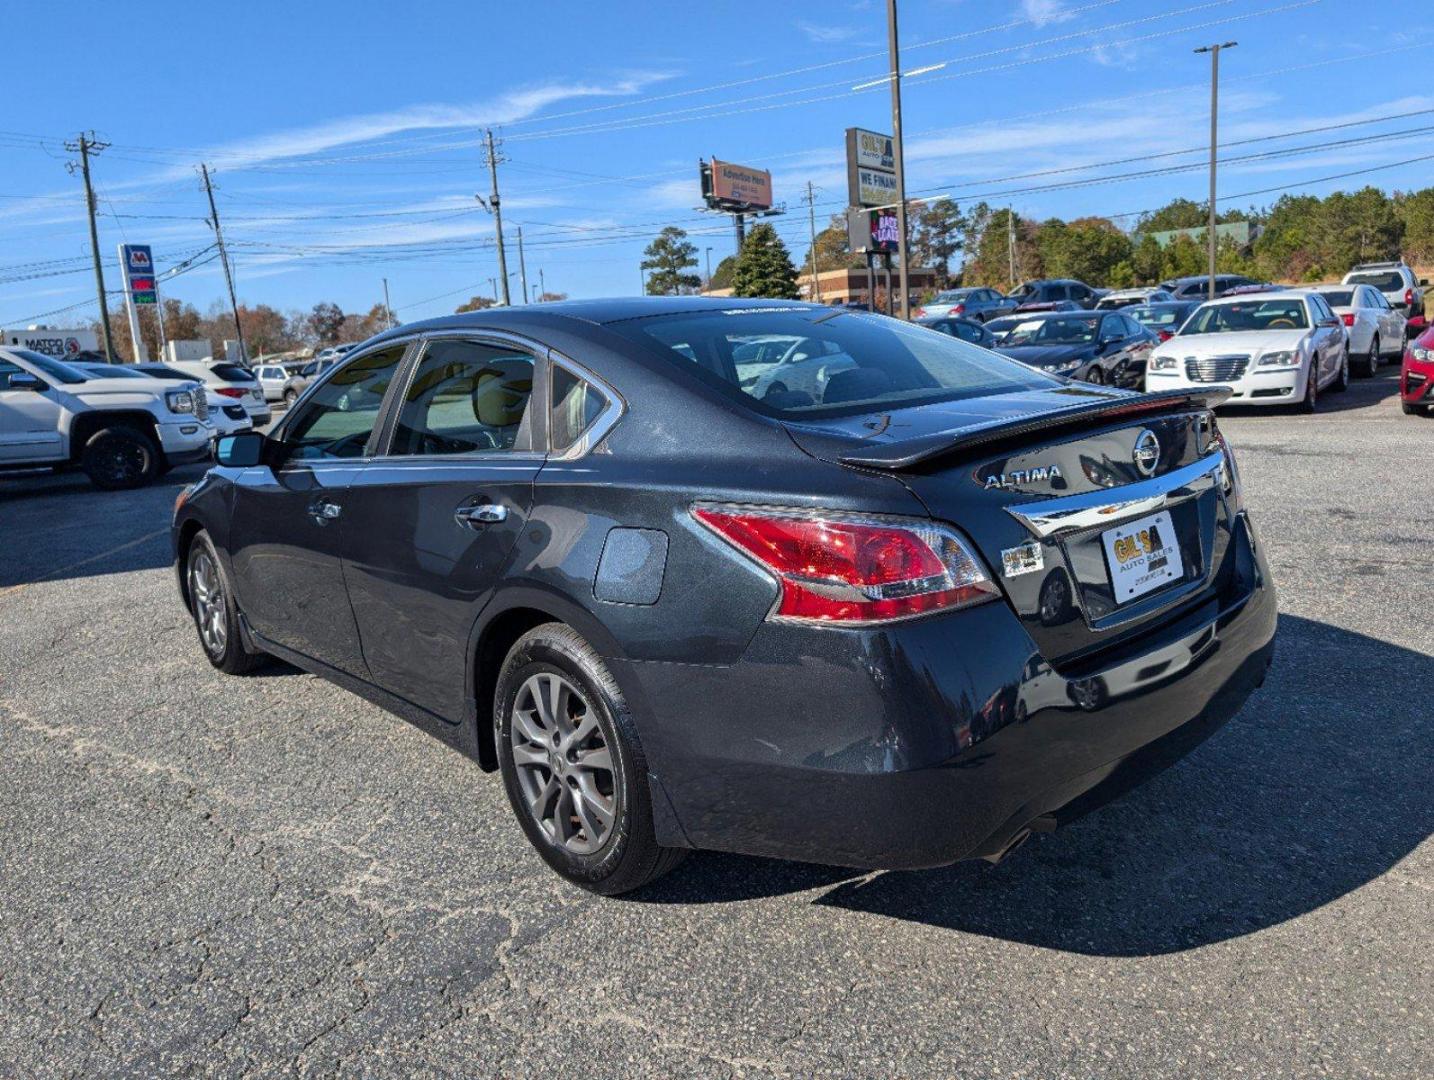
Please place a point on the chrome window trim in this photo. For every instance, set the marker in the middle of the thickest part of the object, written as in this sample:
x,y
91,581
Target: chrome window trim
x,y
602,424
1060,518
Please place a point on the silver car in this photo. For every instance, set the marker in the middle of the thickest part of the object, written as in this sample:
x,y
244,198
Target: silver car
x,y
1398,283
1375,329
274,380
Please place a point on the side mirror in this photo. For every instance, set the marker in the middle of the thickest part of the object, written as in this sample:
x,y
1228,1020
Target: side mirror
x,y
242,450
23,380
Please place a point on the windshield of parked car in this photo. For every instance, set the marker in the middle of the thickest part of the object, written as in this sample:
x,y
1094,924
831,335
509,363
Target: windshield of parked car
x,y
55,369
1383,280
1063,331
843,362
1247,315
112,371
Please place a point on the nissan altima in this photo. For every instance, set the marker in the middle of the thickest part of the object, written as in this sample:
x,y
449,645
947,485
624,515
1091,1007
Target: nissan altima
x,y
908,613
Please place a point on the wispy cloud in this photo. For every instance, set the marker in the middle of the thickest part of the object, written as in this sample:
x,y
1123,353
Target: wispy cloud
x,y
1044,12
823,34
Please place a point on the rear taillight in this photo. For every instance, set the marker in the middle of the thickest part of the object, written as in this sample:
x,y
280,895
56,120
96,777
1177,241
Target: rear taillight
x,y
1165,335
1408,297
919,313
849,570
1348,318
229,391
959,309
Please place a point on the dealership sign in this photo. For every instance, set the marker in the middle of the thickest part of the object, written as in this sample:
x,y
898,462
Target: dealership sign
x,y
138,263
736,187
870,168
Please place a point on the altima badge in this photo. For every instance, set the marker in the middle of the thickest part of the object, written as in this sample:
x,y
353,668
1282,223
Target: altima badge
x,y
1021,477
1025,559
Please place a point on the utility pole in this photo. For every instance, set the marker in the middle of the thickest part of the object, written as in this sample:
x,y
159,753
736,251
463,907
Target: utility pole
x,y
387,308
493,284
224,261
85,145
812,230
491,154
1011,243
522,266
899,152
709,268
542,286
1214,51
642,280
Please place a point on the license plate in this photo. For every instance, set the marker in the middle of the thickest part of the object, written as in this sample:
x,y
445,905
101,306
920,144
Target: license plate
x,y
1142,555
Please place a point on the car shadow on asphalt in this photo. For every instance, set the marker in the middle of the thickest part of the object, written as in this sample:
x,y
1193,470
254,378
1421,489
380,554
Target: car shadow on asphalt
x,y
1362,394
1320,786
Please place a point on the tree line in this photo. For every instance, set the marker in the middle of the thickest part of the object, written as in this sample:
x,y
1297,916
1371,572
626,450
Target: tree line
x,y
266,329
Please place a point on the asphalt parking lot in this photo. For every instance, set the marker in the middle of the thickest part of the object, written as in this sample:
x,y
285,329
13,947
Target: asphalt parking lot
x,y
260,876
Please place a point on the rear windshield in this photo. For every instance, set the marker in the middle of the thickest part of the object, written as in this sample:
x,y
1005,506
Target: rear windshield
x,y
233,373
836,363
1247,315
1158,316
1070,330
160,372
1383,280
1338,297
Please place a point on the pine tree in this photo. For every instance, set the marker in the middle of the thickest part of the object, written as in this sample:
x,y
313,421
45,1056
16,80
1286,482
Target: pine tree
x,y
763,267
668,257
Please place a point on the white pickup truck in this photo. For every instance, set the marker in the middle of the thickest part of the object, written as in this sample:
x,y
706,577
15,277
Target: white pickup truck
x,y
122,432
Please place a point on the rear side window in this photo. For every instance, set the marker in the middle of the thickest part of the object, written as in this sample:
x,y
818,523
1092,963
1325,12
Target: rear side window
x,y
577,404
842,363
466,398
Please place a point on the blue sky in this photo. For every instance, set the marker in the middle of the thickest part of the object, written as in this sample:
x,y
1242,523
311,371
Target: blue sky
x,y
344,137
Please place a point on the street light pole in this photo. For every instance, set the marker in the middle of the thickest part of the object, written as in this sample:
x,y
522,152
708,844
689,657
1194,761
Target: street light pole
x,y
894,47
709,268
1214,51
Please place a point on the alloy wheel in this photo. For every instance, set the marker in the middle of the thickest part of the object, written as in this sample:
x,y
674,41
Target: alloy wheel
x,y
122,462
563,763
206,588
1374,358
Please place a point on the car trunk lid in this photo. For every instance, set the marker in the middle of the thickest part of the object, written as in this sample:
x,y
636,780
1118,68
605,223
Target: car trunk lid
x,y
1047,483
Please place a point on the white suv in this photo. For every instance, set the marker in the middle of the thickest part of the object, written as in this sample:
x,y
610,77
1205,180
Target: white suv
x,y
122,432
1400,287
232,381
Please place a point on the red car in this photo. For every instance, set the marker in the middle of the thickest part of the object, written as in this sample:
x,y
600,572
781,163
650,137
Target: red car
x,y
1416,380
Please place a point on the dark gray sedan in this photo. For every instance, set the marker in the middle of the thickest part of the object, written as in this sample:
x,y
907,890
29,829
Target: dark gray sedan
x,y
908,615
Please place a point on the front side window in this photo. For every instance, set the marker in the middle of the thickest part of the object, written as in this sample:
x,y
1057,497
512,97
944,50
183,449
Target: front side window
x,y
340,415
845,362
1247,315
466,398
57,370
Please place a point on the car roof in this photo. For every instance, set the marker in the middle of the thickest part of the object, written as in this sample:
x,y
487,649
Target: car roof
x,y
1072,313
1275,294
571,315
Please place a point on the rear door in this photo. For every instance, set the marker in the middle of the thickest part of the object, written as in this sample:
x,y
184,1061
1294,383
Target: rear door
x,y
431,522
291,514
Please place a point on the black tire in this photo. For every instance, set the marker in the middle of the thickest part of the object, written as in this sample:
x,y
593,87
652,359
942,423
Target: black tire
x,y
1341,382
1095,375
229,656
290,396
627,855
121,458
1409,410
1371,363
1310,403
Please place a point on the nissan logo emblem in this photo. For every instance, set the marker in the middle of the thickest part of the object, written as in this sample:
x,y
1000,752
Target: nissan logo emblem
x,y
1146,453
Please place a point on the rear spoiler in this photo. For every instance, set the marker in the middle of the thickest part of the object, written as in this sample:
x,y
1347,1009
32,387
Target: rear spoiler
x,y
910,452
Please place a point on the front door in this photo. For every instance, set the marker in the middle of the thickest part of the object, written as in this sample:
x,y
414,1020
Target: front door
x,y
291,515
430,525
29,419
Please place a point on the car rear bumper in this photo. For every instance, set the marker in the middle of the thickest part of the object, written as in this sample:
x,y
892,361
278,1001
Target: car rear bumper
x,y
937,740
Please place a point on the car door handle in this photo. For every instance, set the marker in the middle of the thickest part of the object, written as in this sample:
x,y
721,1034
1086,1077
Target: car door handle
x,y
475,517
323,511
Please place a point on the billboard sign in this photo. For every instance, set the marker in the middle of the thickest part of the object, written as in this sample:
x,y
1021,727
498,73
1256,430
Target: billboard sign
x,y
61,344
138,273
726,186
870,168
872,230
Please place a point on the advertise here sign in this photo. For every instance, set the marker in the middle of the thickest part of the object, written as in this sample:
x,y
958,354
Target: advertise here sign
x,y
739,185
138,264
